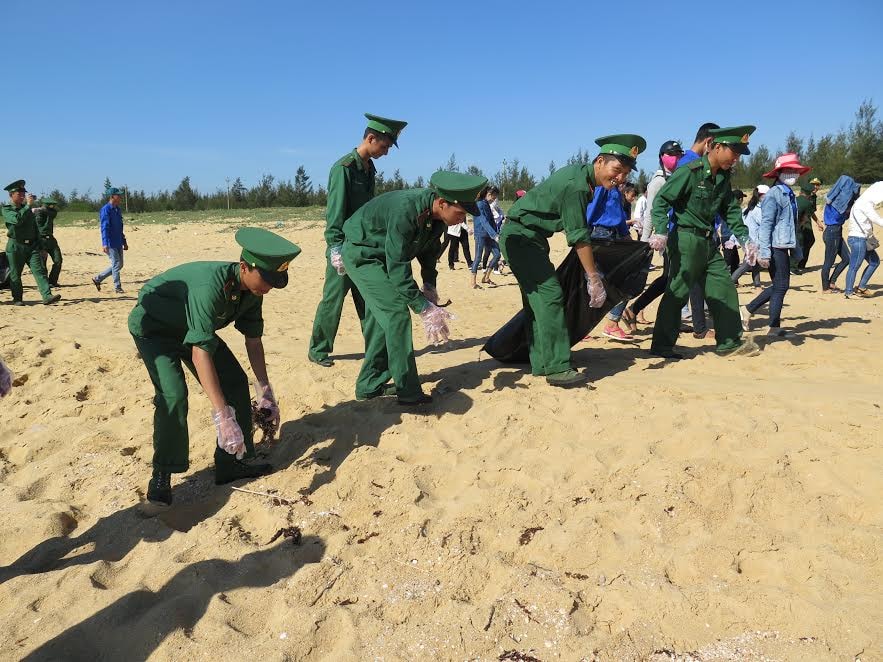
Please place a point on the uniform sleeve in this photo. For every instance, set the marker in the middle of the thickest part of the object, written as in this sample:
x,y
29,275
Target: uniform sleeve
x,y
731,211
104,223
675,189
41,218
573,215
201,308
335,212
400,235
428,260
251,322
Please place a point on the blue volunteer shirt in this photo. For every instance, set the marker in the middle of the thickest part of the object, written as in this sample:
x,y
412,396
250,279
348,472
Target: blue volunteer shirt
x,y
606,211
111,223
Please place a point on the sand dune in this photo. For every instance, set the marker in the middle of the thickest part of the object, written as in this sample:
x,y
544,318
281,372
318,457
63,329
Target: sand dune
x,y
713,509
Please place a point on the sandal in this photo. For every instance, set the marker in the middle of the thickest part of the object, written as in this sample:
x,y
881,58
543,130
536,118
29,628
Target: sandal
x,y
641,319
832,288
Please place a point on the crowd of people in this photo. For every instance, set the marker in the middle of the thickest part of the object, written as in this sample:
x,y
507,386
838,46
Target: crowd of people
x,y
689,213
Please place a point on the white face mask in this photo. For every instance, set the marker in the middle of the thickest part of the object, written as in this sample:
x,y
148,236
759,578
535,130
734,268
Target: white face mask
x,y
788,179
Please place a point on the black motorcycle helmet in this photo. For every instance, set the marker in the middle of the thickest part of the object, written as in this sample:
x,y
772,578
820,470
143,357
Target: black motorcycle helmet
x,y
671,148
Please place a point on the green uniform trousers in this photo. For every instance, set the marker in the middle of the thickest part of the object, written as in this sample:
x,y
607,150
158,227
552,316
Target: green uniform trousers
x,y
389,345
19,255
328,312
527,254
50,245
171,442
693,258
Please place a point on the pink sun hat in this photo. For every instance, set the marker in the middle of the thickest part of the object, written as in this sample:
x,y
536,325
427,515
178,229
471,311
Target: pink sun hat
x,y
787,161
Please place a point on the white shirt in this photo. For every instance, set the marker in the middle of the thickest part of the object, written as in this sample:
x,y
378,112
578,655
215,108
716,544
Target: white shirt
x,y
863,212
640,208
454,230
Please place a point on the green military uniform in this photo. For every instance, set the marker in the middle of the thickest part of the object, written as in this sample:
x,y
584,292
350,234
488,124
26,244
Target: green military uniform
x,y
696,195
382,238
183,308
805,236
23,248
45,217
558,204
350,185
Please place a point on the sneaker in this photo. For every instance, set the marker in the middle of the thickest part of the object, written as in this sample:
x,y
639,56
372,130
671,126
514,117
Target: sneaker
x,y
745,316
667,354
52,299
496,272
119,290
747,348
97,284
778,332
226,471
18,302
159,489
324,362
566,378
616,333
422,399
702,335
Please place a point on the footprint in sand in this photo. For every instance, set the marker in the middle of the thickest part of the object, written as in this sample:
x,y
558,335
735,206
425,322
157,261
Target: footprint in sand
x,y
83,394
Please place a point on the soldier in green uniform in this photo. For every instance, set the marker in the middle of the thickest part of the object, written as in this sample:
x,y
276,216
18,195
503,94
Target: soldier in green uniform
x,y
350,185
45,217
23,246
559,204
696,192
175,321
381,240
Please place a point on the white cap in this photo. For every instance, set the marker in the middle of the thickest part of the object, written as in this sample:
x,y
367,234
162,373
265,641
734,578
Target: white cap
x,y
763,188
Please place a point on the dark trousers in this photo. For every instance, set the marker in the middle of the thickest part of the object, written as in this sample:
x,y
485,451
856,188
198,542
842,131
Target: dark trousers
x,y
807,238
743,269
731,257
655,290
834,246
454,250
780,273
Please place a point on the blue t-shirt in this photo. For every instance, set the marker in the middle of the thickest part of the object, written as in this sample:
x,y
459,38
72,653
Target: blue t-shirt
x,y
833,217
606,211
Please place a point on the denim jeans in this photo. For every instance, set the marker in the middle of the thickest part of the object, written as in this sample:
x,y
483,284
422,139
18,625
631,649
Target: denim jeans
x,y
116,265
780,272
484,243
858,252
834,246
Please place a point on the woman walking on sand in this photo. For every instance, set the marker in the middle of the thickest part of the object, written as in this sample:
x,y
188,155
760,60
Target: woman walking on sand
x,y
486,237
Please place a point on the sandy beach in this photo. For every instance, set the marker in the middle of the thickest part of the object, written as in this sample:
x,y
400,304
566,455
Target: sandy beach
x,y
709,509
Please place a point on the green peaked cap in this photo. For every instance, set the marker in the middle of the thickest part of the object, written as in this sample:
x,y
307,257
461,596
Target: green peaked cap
x,y
735,137
807,187
458,187
17,185
269,252
391,128
624,145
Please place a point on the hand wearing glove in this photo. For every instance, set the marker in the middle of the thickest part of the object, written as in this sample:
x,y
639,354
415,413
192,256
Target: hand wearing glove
x,y
435,321
597,291
337,259
430,293
731,242
229,433
5,379
751,252
267,400
658,242
763,262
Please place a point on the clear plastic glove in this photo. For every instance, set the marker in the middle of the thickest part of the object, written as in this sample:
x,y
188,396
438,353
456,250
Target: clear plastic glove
x,y
597,291
337,259
763,262
435,321
658,242
266,399
5,379
230,438
731,243
430,293
752,250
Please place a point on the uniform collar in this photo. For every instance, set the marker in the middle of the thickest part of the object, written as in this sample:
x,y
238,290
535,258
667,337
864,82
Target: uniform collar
x,y
360,164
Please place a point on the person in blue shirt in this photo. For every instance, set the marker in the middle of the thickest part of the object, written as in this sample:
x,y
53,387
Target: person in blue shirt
x,y
487,239
837,205
113,240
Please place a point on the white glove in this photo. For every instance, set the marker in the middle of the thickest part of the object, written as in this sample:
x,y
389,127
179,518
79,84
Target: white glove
x,y
731,242
229,433
435,321
658,242
597,292
5,379
430,293
763,262
267,400
337,260
751,252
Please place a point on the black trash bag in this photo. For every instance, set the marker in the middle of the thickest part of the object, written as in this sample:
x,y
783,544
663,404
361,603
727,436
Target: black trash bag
x,y
623,265
4,270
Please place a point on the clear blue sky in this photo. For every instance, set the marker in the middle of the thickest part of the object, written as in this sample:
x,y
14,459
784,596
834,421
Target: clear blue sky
x,y
147,93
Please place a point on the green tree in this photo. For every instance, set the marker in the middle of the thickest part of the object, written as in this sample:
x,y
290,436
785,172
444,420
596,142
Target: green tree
x,y
866,145
474,170
107,183
264,194
302,187
794,143
184,198
748,172
582,156
451,164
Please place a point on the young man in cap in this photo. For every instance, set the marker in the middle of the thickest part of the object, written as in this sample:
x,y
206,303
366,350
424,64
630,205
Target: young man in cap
x,y
350,185
559,204
175,322
381,240
45,215
113,239
23,246
697,193
806,209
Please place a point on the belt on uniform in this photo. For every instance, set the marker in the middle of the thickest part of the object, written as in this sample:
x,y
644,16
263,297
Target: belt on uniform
x,y
705,234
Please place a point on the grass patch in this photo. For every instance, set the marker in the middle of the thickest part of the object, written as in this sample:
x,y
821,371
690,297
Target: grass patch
x,y
307,216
